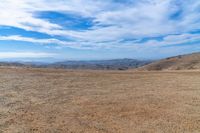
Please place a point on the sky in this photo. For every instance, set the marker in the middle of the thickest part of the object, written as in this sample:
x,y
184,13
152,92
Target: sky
x,y
53,30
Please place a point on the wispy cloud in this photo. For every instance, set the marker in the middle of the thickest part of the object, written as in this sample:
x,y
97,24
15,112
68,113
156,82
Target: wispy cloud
x,y
4,55
71,44
110,22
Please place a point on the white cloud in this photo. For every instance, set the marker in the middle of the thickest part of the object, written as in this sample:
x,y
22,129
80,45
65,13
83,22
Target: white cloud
x,y
138,19
45,41
5,55
168,41
152,43
32,40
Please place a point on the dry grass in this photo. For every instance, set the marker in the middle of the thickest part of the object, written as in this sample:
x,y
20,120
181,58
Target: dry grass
x,y
181,62
60,101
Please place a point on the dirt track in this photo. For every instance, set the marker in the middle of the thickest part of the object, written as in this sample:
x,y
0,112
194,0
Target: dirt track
x,y
58,101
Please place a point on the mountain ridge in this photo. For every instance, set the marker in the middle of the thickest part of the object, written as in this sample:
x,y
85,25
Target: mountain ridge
x,y
113,64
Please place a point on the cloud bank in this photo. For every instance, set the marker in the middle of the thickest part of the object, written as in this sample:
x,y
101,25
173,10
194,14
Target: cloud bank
x,y
96,24
4,55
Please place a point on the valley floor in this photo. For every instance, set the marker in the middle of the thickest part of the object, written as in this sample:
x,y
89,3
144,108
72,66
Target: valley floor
x,y
67,101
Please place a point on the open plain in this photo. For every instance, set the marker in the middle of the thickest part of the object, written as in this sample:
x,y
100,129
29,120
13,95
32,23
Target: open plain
x,y
69,101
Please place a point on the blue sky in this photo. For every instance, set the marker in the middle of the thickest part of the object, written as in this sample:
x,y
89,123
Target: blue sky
x,y
54,30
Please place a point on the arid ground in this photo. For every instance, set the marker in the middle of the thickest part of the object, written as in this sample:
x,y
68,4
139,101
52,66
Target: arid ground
x,y
69,101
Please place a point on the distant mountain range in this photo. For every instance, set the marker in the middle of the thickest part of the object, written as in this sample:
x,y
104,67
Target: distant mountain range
x,y
181,62
115,64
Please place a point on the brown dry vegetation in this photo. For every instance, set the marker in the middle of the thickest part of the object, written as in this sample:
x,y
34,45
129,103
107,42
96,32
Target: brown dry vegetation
x,y
181,62
65,101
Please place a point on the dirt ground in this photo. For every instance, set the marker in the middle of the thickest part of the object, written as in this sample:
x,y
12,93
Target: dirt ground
x,y
67,101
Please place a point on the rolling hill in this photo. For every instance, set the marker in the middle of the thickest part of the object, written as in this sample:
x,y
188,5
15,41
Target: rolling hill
x,y
181,62
115,64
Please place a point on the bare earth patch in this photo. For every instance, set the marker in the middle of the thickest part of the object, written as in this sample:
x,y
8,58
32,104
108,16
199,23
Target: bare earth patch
x,y
66,101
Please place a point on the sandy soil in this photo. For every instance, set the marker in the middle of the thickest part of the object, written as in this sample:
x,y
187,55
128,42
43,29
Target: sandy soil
x,y
65,101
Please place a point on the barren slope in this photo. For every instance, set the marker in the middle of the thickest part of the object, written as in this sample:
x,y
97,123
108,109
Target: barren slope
x,y
58,101
182,62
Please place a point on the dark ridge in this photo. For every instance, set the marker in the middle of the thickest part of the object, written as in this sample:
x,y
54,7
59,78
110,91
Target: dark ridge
x,y
115,64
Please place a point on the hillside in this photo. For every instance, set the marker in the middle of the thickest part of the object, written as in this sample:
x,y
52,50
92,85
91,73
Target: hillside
x,y
181,62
